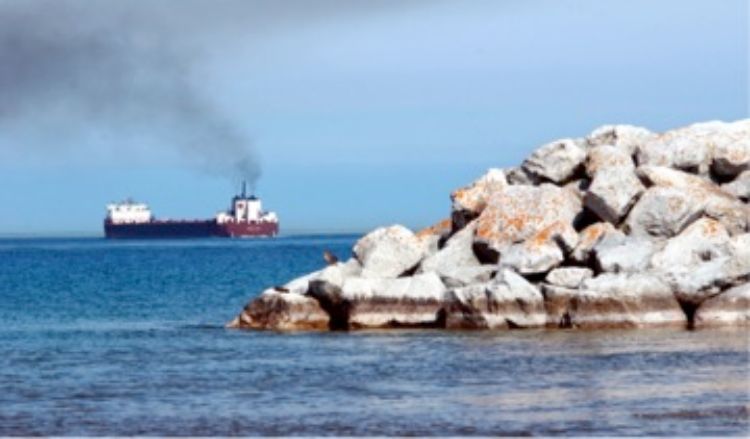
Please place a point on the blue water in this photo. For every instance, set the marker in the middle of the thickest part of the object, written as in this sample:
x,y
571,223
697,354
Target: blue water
x,y
127,338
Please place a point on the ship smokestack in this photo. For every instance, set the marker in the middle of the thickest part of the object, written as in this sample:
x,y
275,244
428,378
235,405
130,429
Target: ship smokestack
x,y
244,188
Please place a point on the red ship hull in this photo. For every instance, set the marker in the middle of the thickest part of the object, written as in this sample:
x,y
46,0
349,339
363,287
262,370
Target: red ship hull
x,y
190,229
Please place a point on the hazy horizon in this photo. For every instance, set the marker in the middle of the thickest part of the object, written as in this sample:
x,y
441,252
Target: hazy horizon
x,y
354,115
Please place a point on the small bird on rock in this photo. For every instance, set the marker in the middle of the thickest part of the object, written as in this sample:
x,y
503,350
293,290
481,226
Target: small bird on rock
x,y
330,258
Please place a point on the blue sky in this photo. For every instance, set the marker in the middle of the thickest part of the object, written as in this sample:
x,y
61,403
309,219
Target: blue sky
x,y
370,113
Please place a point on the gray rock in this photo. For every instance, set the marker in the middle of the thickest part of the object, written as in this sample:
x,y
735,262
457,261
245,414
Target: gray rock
x,y
281,311
732,149
557,161
616,254
568,277
614,187
728,308
532,259
689,148
612,193
518,176
388,252
739,187
508,302
385,302
701,194
623,300
457,253
663,212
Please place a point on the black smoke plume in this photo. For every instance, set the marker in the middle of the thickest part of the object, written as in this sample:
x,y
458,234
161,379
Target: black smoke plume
x,y
117,69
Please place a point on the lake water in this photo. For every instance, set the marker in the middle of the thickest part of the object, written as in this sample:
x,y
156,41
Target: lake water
x,y
127,338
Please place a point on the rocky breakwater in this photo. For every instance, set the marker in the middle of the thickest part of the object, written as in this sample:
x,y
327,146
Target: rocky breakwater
x,y
621,228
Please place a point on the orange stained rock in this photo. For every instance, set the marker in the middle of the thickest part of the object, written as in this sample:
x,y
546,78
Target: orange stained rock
x,y
438,228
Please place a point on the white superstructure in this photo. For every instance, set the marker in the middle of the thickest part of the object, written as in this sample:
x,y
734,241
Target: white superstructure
x,y
246,210
128,212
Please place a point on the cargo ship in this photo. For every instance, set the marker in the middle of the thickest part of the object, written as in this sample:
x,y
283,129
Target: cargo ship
x,y
244,219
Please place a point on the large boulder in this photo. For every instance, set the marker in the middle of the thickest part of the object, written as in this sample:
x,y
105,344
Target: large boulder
x,y
568,277
508,302
731,154
519,212
614,187
387,302
617,301
457,252
729,308
710,273
689,148
703,240
663,212
618,253
456,263
557,161
701,194
542,251
282,311
625,137
473,198
388,252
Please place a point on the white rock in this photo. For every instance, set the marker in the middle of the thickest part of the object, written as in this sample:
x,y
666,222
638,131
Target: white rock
x,y
433,236
703,240
607,157
589,237
663,212
388,251
541,252
557,161
624,300
701,194
696,282
612,193
732,149
413,300
625,137
337,273
473,198
508,302
457,252
688,148
616,254
568,277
